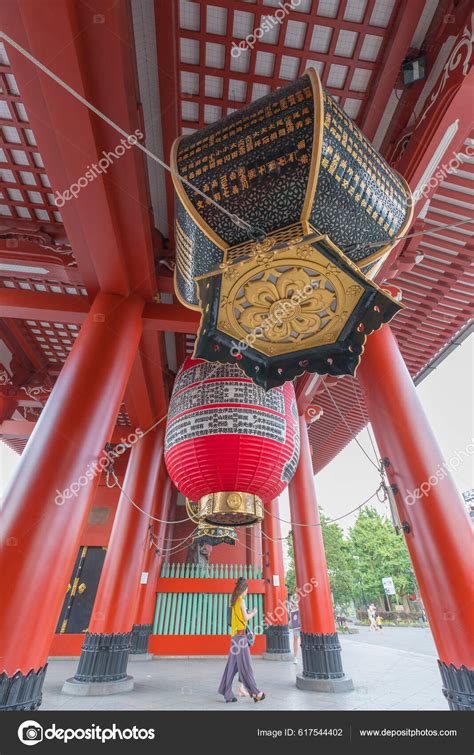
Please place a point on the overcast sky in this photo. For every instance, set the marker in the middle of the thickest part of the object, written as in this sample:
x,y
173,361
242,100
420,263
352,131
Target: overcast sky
x,y
447,397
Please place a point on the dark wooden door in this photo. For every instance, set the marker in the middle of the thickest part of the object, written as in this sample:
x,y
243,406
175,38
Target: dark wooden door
x,y
79,601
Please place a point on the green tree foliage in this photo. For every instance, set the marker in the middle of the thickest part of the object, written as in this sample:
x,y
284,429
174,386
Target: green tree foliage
x,y
377,552
356,564
339,561
290,579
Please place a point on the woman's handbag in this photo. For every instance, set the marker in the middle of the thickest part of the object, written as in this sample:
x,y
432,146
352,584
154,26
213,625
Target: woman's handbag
x,y
250,636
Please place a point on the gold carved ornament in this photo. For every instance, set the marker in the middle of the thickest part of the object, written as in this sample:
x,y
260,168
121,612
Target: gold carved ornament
x,y
286,300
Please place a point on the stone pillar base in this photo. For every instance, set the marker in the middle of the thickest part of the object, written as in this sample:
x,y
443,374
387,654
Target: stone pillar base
x,y
321,656
84,689
343,684
140,657
22,691
102,668
289,657
139,639
458,686
278,639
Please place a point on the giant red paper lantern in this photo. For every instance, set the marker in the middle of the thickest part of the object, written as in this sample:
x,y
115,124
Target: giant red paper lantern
x,y
229,444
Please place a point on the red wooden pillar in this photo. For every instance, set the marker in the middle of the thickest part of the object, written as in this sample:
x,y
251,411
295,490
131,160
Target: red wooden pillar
x,y
104,656
253,542
322,664
152,562
48,500
436,525
276,615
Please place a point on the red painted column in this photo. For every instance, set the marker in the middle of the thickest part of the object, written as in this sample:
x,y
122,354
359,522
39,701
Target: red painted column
x,y
272,547
276,615
153,559
48,500
253,542
117,594
321,651
311,572
438,532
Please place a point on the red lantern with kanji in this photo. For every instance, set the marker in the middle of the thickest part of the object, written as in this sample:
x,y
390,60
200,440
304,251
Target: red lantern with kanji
x,y
229,444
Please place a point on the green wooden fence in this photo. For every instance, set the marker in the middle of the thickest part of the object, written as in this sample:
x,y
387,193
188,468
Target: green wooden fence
x,y
213,571
200,613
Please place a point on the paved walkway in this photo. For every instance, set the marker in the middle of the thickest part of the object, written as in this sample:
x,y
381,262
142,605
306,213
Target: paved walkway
x,y
393,670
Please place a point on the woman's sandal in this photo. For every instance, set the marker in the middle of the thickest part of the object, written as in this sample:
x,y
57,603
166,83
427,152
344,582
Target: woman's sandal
x,y
259,698
234,700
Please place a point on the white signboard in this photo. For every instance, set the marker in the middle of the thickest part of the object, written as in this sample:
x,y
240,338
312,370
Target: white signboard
x,y
276,580
144,578
388,586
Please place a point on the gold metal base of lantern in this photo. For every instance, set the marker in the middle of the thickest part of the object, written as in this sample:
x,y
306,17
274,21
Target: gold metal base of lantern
x,y
232,509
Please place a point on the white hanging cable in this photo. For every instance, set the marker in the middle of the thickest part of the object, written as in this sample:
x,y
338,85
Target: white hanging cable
x,y
396,239
253,232
111,472
330,521
326,388
362,411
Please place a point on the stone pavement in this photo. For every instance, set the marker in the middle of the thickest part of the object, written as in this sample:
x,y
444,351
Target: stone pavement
x,y
395,669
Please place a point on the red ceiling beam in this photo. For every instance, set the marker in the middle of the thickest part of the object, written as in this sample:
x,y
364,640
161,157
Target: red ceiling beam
x,y
32,305
15,428
173,318
108,224
310,17
398,43
278,49
166,23
439,30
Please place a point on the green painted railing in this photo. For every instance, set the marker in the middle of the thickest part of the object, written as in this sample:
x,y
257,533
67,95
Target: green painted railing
x,y
200,613
213,571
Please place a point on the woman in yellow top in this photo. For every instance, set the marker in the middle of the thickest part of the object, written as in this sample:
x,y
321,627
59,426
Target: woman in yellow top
x,y
239,656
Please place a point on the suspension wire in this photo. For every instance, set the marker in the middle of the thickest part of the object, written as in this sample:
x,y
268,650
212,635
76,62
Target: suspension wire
x,y
179,540
167,552
330,521
253,232
179,550
110,471
252,549
166,538
326,388
441,227
161,419
362,411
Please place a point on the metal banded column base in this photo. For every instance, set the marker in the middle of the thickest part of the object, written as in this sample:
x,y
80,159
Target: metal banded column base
x,y
139,639
322,664
278,643
458,686
22,691
102,668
